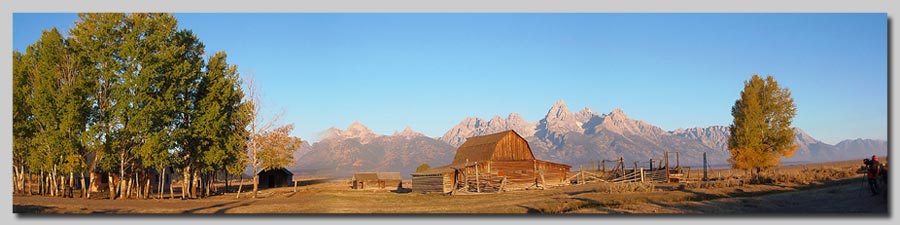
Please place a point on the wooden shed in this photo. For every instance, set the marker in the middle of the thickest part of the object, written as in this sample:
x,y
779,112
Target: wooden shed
x,y
434,180
280,177
490,163
377,180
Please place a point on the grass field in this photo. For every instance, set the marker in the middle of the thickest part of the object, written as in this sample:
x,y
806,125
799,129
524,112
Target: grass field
x,y
821,188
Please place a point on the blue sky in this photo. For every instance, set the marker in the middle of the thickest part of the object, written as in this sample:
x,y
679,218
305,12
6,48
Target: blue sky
x,y
429,71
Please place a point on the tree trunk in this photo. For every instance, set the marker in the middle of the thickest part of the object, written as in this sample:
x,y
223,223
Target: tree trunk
x,y
40,183
71,184
240,186
50,184
20,182
136,190
123,180
54,182
16,179
201,184
184,181
91,183
212,183
84,188
29,184
255,184
126,187
196,185
184,185
111,184
160,183
170,181
147,189
66,185
208,183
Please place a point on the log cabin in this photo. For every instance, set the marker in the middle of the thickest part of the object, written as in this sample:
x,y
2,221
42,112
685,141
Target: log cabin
x,y
377,180
280,177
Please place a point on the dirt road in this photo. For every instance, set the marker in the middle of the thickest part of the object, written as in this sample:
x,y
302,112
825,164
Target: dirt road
x,y
845,199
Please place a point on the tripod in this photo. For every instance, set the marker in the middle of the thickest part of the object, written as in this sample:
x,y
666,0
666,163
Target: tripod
x,y
865,185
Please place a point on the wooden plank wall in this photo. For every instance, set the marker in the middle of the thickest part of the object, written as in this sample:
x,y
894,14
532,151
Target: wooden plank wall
x,y
428,183
524,173
447,180
512,148
553,173
518,173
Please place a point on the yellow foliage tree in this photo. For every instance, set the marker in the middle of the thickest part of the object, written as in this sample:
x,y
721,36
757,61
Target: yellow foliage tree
x,y
761,132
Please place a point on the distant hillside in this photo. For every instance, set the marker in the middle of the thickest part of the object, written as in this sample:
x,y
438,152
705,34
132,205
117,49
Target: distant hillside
x,y
357,149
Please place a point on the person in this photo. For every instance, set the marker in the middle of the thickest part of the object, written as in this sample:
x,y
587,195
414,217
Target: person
x,y
873,171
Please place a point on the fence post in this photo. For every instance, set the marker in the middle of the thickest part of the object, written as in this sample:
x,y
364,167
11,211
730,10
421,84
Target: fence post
x,y
477,179
642,175
581,170
705,167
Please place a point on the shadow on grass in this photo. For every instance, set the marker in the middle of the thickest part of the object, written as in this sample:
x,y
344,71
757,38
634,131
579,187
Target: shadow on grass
x,y
402,190
224,210
530,210
207,207
30,209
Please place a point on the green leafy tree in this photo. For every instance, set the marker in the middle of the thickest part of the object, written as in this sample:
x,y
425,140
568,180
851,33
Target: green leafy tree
x,y
59,108
23,130
220,121
126,94
96,41
761,132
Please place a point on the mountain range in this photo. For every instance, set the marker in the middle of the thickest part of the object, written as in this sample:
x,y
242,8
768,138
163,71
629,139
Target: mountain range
x,y
573,138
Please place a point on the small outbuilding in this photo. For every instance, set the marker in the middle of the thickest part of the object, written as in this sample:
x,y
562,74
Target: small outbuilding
x,y
377,180
491,163
280,177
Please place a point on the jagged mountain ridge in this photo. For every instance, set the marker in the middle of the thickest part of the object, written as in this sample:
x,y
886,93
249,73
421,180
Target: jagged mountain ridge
x,y
573,138
561,136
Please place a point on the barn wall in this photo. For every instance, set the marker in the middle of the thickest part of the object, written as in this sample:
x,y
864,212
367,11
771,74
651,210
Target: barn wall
x,y
376,184
554,173
389,184
524,173
517,173
512,148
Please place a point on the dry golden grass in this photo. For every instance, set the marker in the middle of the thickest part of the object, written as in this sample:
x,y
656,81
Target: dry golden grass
x,y
336,197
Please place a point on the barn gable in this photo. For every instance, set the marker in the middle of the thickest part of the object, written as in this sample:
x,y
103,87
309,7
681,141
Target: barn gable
x,y
503,146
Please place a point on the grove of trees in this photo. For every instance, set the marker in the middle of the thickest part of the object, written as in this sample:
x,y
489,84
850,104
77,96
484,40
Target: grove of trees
x,y
131,97
761,132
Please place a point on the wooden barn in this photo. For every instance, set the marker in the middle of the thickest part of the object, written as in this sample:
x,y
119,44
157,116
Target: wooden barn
x,y
280,177
491,163
377,180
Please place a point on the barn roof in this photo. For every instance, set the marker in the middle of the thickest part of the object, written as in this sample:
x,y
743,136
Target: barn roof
x,y
443,169
480,148
389,176
365,176
283,170
377,176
